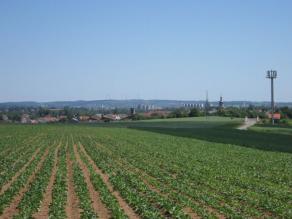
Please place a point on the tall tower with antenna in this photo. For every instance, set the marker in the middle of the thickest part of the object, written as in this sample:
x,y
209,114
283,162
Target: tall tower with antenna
x,y
207,104
272,74
221,103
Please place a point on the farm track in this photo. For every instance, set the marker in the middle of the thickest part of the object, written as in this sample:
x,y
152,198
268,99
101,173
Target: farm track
x,y
123,204
72,205
12,209
143,176
43,212
18,173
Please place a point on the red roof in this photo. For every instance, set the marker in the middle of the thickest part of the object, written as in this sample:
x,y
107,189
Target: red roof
x,y
276,116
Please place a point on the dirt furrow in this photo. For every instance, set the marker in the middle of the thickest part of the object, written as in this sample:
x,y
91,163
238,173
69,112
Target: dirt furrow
x,y
43,212
123,204
72,205
189,211
12,208
99,208
143,175
7,185
186,210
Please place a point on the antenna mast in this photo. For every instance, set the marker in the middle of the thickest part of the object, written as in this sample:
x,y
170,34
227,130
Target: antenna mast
x,y
207,104
272,74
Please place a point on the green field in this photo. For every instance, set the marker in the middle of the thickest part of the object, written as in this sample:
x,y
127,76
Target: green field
x,y
177,168
279,129
195,122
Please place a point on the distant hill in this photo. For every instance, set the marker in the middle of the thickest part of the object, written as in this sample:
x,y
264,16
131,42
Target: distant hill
x,y
131,103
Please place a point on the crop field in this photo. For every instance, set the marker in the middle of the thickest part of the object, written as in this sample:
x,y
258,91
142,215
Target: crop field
x,y
173,169
287,129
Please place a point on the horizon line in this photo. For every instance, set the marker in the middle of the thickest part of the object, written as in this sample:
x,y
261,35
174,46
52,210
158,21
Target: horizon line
x,y
139,99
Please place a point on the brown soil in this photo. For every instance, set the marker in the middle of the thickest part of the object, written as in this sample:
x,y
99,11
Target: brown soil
x,y
99,208
43,212
189,211
215,212
72,205
8,184
12,209
123,204
143,174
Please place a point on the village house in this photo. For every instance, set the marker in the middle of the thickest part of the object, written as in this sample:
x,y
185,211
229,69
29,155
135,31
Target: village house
x,y
25,119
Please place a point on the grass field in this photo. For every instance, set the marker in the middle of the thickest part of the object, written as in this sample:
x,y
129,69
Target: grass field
x,y
186,168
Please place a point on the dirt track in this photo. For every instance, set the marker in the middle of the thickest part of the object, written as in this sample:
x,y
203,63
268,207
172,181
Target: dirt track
x,y
247,124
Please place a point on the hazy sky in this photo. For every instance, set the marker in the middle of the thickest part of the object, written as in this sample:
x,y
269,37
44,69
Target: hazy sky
x,y
152,49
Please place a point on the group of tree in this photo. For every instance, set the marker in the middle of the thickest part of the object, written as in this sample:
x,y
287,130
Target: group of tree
x,y
235,112
184,112
15,113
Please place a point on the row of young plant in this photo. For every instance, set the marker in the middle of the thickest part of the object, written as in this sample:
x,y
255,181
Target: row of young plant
x,y
14,138
13,162
9,146
251,193
245,194
137,201
146,202
176,196
21,181
207,198
32,199
255,169
233,192
105,195
81,188
197,185
59,192
8,138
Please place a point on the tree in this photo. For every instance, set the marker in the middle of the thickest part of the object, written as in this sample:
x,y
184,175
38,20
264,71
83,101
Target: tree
x,y
14,116
287,112
194,112
69,113
179,113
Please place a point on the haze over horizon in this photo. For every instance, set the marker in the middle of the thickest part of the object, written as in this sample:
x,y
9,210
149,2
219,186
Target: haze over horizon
x,y
91,50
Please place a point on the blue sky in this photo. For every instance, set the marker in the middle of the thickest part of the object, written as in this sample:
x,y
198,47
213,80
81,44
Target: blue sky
x,y
155,49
